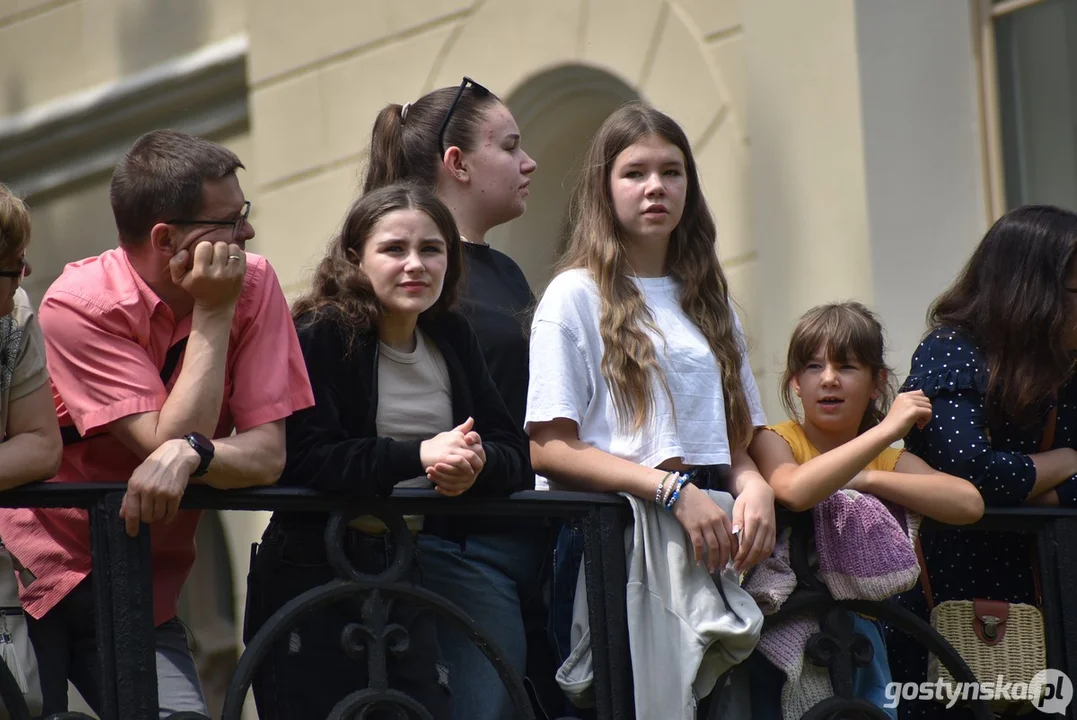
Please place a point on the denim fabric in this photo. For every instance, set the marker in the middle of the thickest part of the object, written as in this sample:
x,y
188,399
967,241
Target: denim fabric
x,y
493,578
66,647
869,683
308,672
567,559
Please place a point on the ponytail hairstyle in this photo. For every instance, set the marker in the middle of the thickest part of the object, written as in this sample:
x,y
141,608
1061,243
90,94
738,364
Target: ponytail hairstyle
x,y
848,332
596,244
406,143
341,285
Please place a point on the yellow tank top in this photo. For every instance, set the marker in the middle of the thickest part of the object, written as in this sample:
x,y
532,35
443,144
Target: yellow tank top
x,y
803,450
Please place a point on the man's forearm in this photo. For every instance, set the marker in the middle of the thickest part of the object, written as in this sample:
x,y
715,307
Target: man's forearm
x,y
194,404
248,459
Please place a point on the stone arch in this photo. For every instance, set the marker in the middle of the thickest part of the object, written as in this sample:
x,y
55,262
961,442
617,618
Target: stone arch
x,y
562,66
558,112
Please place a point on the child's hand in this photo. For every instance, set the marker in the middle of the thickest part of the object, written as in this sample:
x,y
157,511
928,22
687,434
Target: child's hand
x,y
909,408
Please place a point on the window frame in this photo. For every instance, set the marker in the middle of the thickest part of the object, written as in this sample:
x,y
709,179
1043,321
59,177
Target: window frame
x,y
985,13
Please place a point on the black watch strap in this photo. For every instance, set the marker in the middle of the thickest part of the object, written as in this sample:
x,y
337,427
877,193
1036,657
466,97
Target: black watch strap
x,y
204,447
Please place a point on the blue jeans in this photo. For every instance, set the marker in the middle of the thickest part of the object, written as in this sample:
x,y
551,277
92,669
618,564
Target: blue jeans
x,y
65,643
869,683
490,577
567,558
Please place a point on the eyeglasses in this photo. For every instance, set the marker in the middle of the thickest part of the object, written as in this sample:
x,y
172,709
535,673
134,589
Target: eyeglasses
x,y
17,274
236,224
482,92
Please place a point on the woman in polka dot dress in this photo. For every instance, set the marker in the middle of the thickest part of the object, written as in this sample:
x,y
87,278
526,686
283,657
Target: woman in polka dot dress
x,y
998,358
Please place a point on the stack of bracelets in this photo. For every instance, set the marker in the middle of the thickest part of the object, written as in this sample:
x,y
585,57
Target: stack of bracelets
x,y
666,496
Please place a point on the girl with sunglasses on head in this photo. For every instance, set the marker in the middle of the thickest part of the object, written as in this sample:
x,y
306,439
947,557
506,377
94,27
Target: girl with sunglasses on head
x,y
403,397
463,143
640,380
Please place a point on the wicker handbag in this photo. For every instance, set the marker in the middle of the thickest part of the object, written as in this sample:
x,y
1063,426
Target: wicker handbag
x,y
995,637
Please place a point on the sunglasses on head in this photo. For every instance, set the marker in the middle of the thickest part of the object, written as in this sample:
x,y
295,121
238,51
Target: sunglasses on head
x,y
479,89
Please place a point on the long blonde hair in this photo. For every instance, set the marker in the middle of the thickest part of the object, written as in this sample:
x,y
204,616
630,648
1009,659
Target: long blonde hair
x,y
596,244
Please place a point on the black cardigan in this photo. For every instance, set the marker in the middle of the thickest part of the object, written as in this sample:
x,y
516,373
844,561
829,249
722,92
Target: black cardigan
x,y
334,445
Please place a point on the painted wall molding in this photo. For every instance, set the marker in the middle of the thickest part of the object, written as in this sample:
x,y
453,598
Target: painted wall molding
x,y
63,142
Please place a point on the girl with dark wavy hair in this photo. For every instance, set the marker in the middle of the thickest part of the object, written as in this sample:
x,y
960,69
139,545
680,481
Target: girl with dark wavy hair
x,y
640,380
403,398
998,366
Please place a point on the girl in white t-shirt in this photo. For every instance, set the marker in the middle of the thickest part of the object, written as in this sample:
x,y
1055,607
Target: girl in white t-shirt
x,y
639,370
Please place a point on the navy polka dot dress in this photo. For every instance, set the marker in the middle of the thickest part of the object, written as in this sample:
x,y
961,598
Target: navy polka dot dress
x,y
972,564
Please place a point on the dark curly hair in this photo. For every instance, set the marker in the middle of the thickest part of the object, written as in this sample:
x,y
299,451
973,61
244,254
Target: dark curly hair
x,y
340,285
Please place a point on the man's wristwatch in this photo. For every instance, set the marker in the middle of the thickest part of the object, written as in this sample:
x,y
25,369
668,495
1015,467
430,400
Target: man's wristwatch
x,y
204,447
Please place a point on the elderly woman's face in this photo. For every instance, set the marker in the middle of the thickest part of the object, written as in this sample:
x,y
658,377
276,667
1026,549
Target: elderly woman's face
x,y
12,272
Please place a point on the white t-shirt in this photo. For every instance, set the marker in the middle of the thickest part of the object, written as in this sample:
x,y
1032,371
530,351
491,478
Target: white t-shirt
x,y
567,382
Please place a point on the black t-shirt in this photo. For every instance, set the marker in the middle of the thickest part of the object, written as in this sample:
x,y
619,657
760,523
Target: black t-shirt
x,y
498,302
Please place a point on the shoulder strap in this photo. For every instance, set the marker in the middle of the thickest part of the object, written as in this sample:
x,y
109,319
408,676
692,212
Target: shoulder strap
x,y
1046,443
925,582
70,434
1047,440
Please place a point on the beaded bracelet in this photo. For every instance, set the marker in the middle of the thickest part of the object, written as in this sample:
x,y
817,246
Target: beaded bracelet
x,y
681,480
672,485
658,499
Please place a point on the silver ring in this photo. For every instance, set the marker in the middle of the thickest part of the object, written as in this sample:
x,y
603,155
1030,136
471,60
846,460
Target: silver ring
x,y
235,257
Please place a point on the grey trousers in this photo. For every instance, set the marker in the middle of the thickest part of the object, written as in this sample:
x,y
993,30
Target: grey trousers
x,y
66,647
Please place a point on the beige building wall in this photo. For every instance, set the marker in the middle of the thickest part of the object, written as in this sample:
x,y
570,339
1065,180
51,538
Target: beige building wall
x,y
51,49
839,141
561,66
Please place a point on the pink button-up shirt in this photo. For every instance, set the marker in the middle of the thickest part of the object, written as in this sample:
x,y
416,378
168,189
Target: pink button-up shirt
x,y
106,337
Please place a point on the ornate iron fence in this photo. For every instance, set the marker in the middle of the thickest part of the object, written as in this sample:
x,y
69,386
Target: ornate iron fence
x,y
124,620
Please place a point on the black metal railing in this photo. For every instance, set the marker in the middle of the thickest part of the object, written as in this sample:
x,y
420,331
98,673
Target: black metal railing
x,y
122,584
840,649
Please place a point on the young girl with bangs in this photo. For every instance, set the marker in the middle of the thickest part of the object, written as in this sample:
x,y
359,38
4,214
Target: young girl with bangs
x,y
639,369
836,369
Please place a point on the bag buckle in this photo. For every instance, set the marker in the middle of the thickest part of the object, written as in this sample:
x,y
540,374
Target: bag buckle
x,y
991,624
989,620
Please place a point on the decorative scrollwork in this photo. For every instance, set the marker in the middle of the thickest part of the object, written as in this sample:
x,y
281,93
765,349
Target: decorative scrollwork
x,y
840,649
814,603
359,705
376,598
400,537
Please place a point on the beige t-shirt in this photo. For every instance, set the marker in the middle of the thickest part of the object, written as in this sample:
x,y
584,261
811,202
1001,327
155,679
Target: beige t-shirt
x,y
414,395
414,403
22,356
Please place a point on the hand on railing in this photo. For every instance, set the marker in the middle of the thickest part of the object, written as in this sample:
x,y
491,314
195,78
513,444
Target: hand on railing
x,y
156,486
453,459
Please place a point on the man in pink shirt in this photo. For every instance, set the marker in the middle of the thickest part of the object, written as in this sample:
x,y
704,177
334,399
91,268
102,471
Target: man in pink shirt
x,y
157,350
